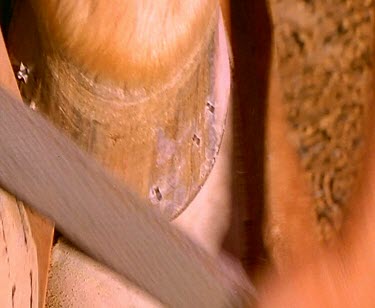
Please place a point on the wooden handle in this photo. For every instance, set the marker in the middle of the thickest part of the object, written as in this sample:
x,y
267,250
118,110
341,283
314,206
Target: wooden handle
x,y
39,232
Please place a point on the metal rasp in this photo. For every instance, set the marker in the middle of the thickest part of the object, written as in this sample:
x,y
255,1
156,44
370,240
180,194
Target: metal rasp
x,y
97,213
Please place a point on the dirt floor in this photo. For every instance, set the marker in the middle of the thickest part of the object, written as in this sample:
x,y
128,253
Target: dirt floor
x,y
324,56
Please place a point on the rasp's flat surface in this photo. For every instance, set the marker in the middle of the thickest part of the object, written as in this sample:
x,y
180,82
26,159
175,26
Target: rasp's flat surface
x,y
44,168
